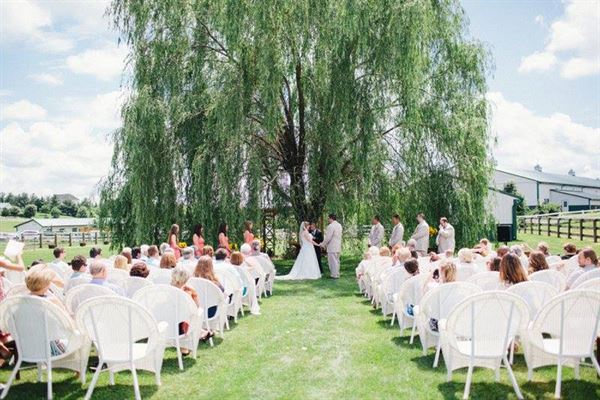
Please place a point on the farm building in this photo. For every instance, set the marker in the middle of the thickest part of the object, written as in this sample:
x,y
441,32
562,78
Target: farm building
x,y
57,225
537,187
503,206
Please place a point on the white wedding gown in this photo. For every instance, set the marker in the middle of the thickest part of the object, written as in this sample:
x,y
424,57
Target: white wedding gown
x,y
306,265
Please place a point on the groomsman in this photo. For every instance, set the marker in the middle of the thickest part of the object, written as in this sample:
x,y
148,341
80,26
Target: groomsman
x,y
333,243
377,232
318,238
421,235
397,232
445,237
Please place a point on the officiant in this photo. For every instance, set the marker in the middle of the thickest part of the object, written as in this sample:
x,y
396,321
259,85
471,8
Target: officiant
x,y
318,238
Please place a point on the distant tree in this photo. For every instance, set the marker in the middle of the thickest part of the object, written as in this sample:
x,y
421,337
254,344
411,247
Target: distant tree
x,y
14,211
511,188
68,208
45,208
55,212
83,212
29,211
5,212
546,208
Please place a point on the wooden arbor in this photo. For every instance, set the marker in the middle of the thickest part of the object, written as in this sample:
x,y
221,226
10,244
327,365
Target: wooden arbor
x,y
268,230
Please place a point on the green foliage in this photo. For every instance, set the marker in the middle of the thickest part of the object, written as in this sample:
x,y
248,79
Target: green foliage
x,y
11,211
83,212
511,188
29,211
306,107
545,208
55,212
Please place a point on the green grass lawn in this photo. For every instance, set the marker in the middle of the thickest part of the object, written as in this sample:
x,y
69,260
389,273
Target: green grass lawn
x,y
45,254
7,224
314,340
556,244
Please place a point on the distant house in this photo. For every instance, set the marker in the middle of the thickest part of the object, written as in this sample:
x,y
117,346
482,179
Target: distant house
x,y
57,225
4,205
537,187
63,197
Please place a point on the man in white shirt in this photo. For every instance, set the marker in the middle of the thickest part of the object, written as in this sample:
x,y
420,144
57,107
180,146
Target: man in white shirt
x,y
59,265
588,261
421,235
397,232
153,257
187,260
445,238
222,265
377,232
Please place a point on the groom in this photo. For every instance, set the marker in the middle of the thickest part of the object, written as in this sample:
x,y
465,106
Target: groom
x,y
333,244
317,238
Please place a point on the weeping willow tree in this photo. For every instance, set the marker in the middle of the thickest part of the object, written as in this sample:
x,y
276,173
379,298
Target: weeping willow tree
x,y
306,106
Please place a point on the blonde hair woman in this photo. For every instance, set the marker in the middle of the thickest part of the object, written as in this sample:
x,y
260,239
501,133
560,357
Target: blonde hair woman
x,y
121,263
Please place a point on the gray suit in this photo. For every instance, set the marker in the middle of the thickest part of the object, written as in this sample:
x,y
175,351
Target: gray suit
x,y
397,235
421,236
333,243
376,235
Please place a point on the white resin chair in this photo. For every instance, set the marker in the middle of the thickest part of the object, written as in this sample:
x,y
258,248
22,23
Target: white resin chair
x,y
210,295
269,270
125,335
553,259
409,294
389,287
464,272
15,277
478,332
71,283
249,299
590,284
160,276
232,291
586,276
563,333
18,289
6,284
173,306
81,293
134,283
45,335
117,276
489,280
550,276
437,304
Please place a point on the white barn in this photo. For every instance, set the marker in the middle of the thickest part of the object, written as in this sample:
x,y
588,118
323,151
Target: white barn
x,y
537,187
57,225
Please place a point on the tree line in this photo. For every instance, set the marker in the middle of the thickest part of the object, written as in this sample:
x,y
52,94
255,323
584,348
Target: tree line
x,y
28,205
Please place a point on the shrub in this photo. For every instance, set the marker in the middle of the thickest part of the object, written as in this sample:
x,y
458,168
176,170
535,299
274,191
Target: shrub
x,y
55,212
29,211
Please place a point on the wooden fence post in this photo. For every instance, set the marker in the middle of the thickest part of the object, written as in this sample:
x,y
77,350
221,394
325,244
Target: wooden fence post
x,y
55,240
569,228
539,226
40,236
580,229
70,239
595,228
549,226
558,227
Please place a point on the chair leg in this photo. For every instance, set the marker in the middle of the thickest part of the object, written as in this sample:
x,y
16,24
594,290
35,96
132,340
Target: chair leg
x,y
468,382
13,374
512,352
577,375
558,379
595,362
438,349
513,379
49,366
497,374
529,373
39,372
111,377
412,333
179,358
136,386
90,390
393,318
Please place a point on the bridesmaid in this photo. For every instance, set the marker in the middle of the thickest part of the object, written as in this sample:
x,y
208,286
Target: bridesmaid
x,y
222,239
198,240
248,235
174,240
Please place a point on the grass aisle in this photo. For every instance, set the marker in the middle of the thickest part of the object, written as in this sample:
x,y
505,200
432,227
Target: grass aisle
x,y
316,340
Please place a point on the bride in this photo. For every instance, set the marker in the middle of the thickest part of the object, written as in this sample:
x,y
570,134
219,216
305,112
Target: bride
x,y
306,265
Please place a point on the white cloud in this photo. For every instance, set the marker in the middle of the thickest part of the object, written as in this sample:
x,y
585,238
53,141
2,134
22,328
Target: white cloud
x,y
5,93
574,42
556,142
104,63
48,79
22,110
539,19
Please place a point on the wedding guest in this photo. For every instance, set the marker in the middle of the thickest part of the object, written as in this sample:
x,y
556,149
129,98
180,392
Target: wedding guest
x,y
511,270
411,245
412,268
140,270
126,252
187,260
570,251
221,264
402,254
377,232
222,239
248,234
59,265
144,252
483,248
121,262
465,257
238,261
168,261
208,251
198,240
397,232
57,280
153,257
537,262
165,248
587,260
204,269
493,264
79,267
445,237
174,240
446,273
544,248
421,235
502,251
99,274
12,266
38,282
363,265
96,253
136,254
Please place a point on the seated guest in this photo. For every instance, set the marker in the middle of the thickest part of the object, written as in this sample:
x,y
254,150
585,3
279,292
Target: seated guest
x,y
465,258
222,265
136,253
204,269
144,252
165,248
446,273
493,264
588,261
537,262
401,256
59,265
79,266
483,248
127,254
153,257
544,248
411,245
208,251
570,251
256,270
121,263
99,274
187,260
412,268
140,270
12,266
168,260
38,282
518,251
56,280
511,271
502,251
238,261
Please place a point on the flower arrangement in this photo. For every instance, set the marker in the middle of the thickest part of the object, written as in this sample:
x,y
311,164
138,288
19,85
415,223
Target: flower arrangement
x,y
432,231
182,245
233,246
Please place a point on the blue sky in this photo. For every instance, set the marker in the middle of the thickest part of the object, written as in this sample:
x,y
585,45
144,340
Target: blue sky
x,y
60,88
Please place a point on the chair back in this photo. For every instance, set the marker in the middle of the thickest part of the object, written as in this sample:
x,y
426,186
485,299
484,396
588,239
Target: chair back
x,y
117,276
167,303
82,280
489,280
440,301
393,282
229,282
15,276
133,284
160,276
590,284
35,323
411,290
18,289
209,294
464,272
115,324
586,276
536,294
247,280
553,259
488,321
572,318
550,276
81,293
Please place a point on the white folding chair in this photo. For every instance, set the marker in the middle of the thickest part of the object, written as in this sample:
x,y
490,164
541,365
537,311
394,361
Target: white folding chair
x,y
586,276
563,333
125,335
44,335
479,330
590,284
77,295
173,306
489,280
550,276
210,296
134,283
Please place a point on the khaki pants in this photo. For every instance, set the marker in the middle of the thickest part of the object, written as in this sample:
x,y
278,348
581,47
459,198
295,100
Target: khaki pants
x,y
334,264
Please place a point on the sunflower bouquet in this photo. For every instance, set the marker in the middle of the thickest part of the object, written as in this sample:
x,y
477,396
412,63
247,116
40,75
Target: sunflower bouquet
x,y
432,231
